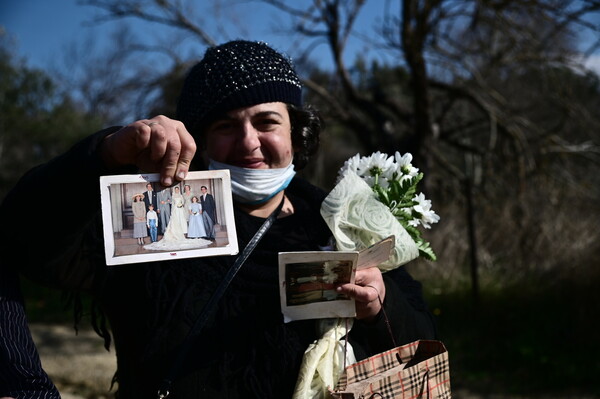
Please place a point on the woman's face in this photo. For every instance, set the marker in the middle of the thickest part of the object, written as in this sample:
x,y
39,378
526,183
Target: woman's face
x,y
256,137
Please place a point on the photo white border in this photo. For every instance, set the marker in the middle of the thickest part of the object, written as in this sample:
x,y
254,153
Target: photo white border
x,y
231,248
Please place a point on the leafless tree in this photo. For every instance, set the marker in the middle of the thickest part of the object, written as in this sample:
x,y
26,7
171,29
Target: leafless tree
x,y
480,91
476,71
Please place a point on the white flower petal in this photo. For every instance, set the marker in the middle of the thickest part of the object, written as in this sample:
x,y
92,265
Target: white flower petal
x,y
423,208
403,160
350,165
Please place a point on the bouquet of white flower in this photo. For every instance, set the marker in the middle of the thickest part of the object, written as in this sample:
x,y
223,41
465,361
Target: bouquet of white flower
x,y
394,180
374,198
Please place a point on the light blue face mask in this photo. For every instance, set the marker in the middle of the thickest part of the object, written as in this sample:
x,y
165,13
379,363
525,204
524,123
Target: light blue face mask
x,y
255,186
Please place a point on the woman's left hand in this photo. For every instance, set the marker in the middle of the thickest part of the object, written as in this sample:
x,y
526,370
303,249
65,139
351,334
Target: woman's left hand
x,y
368,287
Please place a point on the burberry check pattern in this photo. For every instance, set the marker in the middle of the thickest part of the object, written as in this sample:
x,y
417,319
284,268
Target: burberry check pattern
x,y
417,370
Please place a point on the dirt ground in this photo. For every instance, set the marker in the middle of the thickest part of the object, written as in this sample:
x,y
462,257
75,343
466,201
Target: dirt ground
x,y
82,369
78,364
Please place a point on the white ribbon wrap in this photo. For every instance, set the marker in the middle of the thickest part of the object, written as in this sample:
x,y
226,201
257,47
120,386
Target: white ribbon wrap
x,y
323,361
358,220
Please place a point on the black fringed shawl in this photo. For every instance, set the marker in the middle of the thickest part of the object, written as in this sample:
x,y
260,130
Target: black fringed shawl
x,y
245,350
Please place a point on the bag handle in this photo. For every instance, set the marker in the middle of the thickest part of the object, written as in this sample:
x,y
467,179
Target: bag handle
x,y
387,322
165,386
385,317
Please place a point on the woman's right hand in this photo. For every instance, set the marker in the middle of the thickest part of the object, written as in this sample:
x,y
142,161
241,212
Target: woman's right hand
x,y
159,144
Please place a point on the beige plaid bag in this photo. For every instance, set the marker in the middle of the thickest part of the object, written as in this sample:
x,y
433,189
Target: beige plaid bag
x,y
417,370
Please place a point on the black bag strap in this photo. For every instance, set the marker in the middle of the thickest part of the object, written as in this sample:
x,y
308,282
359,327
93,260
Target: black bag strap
x,y
165,386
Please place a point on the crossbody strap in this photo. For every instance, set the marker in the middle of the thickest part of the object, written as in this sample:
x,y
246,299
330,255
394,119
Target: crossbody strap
x,y
165,385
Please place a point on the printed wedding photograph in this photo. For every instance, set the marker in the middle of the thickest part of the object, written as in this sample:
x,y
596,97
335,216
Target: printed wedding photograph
x,y
144,221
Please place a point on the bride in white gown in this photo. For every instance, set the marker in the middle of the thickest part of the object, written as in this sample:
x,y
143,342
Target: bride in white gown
x,y
177,227
174,237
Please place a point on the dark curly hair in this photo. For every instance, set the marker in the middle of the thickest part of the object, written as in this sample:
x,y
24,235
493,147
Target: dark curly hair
x,y
306,129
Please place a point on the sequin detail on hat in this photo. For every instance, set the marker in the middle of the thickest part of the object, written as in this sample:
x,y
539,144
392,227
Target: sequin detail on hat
x,y
234,75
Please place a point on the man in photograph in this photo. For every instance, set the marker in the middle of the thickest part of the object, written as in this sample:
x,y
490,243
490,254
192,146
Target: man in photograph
x,y
208,204
150,197
164,209
209,210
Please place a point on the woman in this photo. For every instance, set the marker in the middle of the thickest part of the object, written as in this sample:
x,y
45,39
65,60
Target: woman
x,y
139,218
196,224
243,102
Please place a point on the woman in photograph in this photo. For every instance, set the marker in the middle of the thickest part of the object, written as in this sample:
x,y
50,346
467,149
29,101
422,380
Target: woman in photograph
x,y
139,218
196,226
187,200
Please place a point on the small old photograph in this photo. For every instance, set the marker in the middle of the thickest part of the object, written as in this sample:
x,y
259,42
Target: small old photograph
x,y
309,280
144,221
312,282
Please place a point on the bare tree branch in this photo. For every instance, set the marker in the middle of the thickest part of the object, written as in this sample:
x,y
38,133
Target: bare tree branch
x,y
165,12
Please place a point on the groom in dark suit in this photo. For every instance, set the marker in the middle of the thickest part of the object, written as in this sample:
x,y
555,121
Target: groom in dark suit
x,y
208,204
209,212
150,198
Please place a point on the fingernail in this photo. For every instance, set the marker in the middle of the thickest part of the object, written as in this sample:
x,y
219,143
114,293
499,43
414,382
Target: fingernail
x,y
167,181
181,175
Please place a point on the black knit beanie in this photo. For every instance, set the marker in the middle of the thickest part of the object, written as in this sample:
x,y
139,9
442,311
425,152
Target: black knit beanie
x,y
234,75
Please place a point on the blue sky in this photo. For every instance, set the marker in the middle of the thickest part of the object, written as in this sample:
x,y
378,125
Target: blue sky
x,y
43,29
